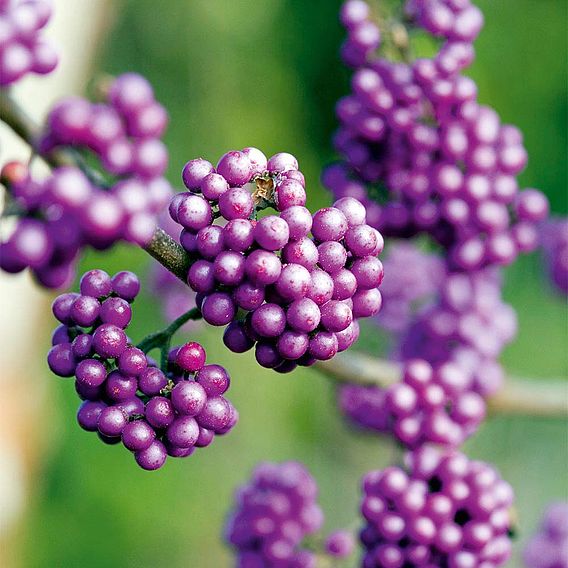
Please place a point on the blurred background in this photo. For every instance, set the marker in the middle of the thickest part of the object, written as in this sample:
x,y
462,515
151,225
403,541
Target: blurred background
x,y
265,74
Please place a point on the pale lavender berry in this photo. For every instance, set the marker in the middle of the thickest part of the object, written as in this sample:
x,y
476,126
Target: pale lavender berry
x,y
282,162
271,233
229,268
257,159
263,267
215,414
353,210
194,212
332,256
336,316
323,345
213,186
289,193
195,171
294,282
238,235
321,287
235,167
303,315
236,203
362,240
329,224
344,284
368,272
269,320
366,303
183,432
303,252
299,221
214,379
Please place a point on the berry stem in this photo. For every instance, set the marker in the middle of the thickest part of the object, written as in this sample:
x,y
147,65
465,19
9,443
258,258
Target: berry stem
x,y
519,396
162,339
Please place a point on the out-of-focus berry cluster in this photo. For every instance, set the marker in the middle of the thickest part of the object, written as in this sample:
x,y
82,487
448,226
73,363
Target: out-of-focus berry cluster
x,y
430,405
549,547
22,49
442,510
554,239
299,281
412,279
66,211
125,395
424,156
274,512
461,335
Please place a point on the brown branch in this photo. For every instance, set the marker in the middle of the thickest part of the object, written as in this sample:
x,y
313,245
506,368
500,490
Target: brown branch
x,y
519,396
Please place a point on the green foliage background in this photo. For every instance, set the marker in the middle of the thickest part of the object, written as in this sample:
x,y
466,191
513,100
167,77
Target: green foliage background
x,y
267,74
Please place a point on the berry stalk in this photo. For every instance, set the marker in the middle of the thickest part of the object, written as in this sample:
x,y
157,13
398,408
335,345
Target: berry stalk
x,y
162,339
519,396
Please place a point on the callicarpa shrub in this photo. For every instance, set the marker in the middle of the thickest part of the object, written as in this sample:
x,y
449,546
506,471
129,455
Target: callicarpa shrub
x,y
420,159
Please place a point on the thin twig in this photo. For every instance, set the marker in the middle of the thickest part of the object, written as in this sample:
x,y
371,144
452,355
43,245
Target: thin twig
x,y
519,396
529,397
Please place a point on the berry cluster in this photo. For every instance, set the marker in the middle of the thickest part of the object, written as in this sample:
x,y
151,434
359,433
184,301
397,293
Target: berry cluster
x,y
554,237
415,139
468,325
363,35
274,513
124,134
69,210
444,510
300,295
412,277
430,405
459,337
453,20
22,50
549,547
126,397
